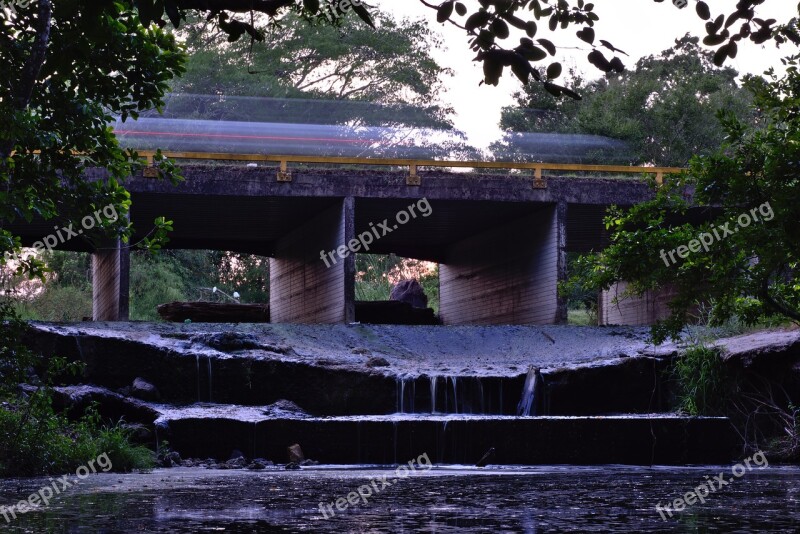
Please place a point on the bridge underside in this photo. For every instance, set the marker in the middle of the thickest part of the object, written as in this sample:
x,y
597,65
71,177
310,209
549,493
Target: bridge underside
x,y
500,242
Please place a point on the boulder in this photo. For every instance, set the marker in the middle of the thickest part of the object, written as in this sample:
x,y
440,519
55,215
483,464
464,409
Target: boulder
x,y
144,390
411,292
295,454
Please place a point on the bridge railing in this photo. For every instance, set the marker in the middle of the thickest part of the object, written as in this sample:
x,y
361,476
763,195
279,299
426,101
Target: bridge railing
x,y
414,165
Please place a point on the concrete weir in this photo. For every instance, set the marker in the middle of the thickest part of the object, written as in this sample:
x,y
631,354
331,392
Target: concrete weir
x,y
384,440
380,394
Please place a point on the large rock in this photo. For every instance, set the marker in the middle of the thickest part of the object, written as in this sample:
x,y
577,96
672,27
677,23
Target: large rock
x,y
144,390
410,291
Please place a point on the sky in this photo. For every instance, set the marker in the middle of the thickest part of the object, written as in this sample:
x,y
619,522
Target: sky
x,y
639,27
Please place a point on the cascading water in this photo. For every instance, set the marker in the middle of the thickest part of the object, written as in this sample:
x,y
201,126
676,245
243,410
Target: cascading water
x,y
528,402
433,393
197,360
210,389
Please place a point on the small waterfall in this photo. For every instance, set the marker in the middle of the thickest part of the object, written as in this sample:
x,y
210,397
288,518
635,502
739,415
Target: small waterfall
x,y
210,389
533,382
455,393
433,393
197,360
401,404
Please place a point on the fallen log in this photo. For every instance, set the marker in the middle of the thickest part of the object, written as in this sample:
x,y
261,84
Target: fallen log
x,y
214,312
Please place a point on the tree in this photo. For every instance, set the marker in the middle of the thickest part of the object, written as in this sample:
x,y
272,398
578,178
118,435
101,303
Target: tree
x,y
489,23
57,106
392,76
723,235
664,109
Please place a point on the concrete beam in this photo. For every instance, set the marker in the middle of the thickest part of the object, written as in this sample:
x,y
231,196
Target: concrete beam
x,y
303,288
507,274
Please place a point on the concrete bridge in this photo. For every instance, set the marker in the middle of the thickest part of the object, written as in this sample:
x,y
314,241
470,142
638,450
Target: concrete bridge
x,y
501,238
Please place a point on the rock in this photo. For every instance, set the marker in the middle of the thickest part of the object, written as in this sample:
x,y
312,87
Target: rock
x,y
235,463
259,464
377,361
295,454
236,454
292,466
285,409
171,459
306,463
411,292
229,341
144,390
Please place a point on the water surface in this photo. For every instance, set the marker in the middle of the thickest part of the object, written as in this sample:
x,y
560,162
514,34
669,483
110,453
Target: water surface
x,y
439,500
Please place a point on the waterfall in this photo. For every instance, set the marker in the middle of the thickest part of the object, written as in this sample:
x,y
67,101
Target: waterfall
x,y
433,394
210,397
527,403
197,360
402,395
455,393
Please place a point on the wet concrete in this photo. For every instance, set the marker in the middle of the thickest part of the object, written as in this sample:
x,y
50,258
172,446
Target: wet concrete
x,y
440,500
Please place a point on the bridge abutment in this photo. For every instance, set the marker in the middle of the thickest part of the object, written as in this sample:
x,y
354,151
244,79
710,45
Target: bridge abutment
x,y
312,275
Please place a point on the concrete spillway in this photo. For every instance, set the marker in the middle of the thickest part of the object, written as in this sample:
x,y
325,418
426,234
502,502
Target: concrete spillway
x,y
261,391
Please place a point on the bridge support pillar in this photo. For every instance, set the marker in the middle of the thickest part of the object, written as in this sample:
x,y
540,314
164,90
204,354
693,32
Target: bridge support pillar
x,y
508,274
615,308
310,282
111,283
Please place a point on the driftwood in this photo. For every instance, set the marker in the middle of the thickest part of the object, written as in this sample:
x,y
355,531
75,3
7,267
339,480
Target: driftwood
x,y
379,312
214,312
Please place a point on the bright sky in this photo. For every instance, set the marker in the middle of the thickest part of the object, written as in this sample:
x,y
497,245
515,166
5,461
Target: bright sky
x,y
622,22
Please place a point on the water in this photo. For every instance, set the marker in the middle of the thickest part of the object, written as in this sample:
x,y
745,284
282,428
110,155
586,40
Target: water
x,y
442,500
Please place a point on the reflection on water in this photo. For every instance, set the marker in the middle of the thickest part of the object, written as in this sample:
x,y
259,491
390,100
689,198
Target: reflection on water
x,y
442,500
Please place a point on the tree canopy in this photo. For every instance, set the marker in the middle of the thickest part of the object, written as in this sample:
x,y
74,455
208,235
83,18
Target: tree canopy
x,y
491,25
664,108
394,77
723,236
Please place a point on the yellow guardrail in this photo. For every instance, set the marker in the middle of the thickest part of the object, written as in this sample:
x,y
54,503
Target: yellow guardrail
x,y
413,164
